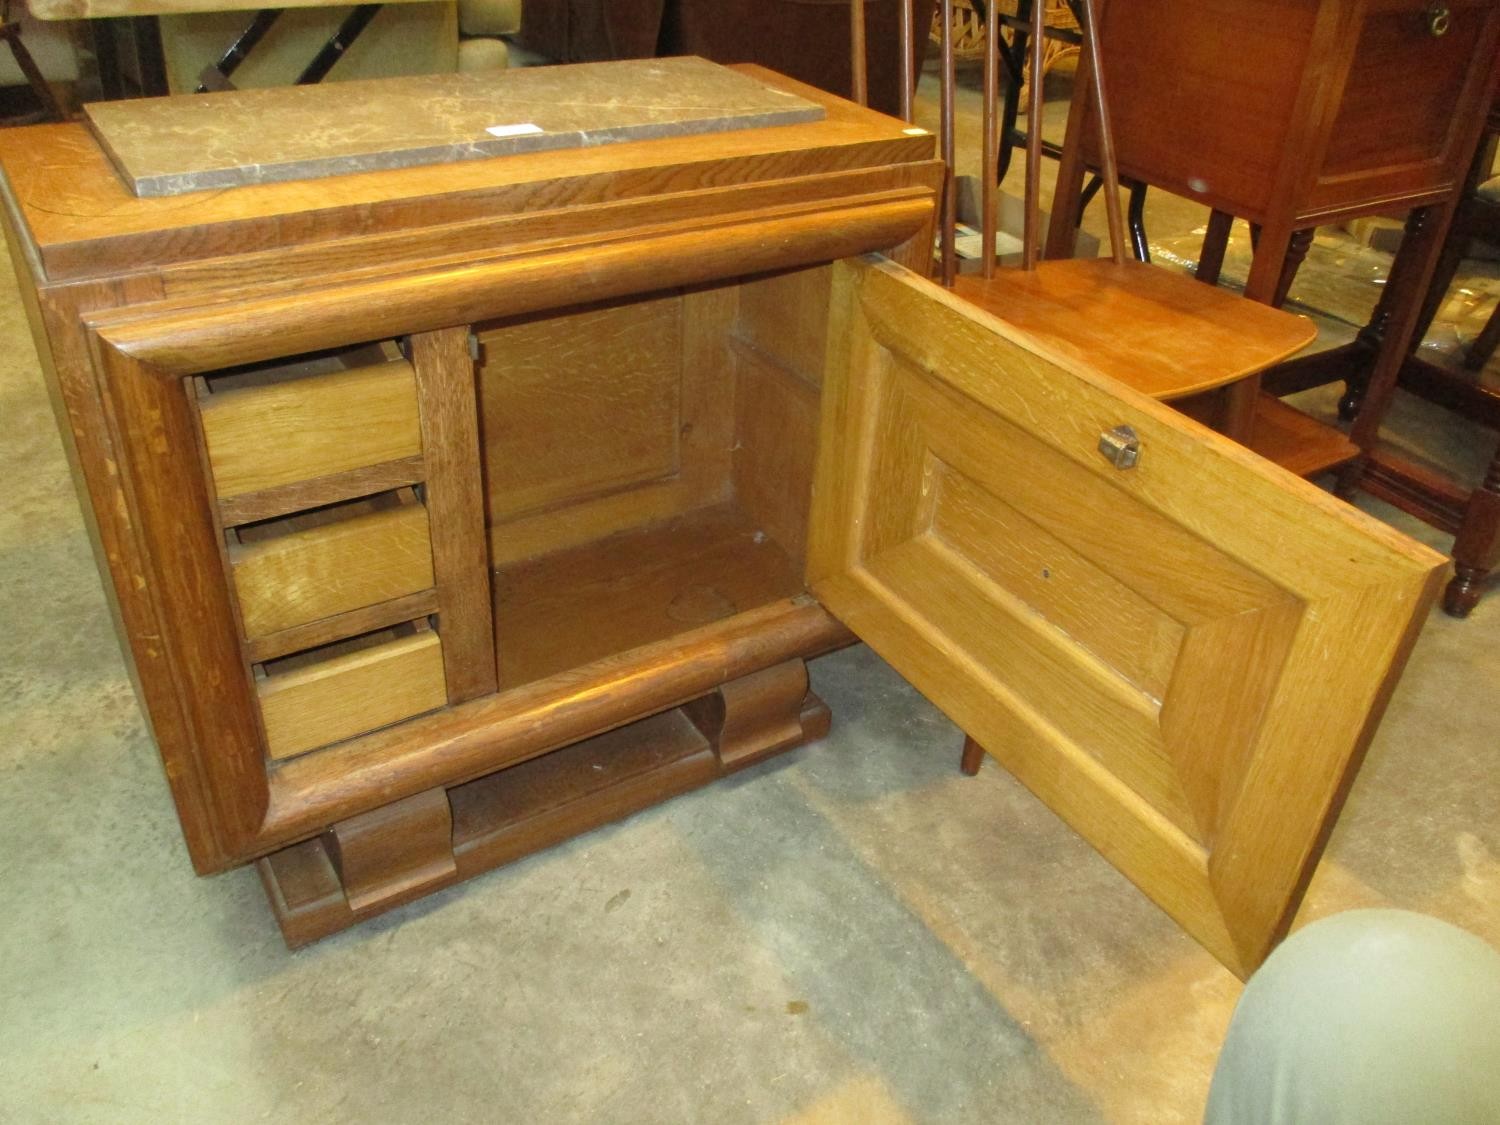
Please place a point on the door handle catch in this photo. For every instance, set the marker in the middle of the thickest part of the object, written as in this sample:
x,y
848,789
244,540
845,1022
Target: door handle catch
x,y
1121,447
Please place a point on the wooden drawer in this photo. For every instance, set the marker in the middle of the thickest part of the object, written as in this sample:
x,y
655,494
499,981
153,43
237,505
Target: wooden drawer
x,y
311,574
330,700
268,436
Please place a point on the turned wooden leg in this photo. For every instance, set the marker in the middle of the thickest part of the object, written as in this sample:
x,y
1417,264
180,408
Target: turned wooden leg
x,y
973,757
1296,251
1476,548
1410,274
1372,335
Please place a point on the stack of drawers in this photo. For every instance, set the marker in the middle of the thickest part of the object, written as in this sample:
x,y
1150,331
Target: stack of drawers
x,y
321,482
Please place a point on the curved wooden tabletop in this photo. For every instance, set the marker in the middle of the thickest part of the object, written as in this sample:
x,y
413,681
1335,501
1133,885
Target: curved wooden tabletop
x,y
1161,332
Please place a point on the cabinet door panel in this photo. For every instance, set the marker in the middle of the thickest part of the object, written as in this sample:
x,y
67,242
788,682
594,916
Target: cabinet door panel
x,y
1182,658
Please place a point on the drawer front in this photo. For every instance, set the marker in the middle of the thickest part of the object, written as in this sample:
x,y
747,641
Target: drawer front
x,y
338,698
308,575
265,437
1410,100
1403,83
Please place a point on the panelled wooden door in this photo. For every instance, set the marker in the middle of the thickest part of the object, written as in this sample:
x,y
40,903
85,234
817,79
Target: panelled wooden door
x,y
1184,658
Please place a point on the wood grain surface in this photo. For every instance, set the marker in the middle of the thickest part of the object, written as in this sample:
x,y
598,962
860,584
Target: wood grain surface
x,y
965,525
261,438
330,700
483,735
1158,332
430,251
297,578
455,507
189,338
571,457
385,855
635,588
84,222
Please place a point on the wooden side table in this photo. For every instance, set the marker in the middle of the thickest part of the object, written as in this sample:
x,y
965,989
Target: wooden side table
x,y
1292,116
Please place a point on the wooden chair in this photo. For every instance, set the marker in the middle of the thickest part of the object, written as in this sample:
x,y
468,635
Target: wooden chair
x,y
1160,332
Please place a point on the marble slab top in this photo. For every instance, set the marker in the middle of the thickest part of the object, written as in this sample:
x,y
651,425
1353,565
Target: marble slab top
x,y
195,142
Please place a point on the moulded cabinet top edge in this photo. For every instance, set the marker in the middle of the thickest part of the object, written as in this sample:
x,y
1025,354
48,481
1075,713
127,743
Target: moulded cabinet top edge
x,y
83,221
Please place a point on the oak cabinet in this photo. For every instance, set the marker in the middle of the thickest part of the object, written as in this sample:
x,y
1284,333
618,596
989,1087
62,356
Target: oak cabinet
x,y
450,513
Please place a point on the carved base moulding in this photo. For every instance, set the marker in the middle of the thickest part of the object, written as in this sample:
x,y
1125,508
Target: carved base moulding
x,y
369,864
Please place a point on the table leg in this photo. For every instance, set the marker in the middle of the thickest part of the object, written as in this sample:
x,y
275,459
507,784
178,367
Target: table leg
x,y
1215,242
11,33
1241,398
354,23
1484,344
1476,547
1296,251
216,76
1014,58
1271,247
972,757
1401,307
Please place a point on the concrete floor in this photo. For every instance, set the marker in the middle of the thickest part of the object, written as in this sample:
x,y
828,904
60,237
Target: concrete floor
x,y
854,933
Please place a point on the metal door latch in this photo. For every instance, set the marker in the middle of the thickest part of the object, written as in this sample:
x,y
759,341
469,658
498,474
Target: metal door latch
x,y
1121,447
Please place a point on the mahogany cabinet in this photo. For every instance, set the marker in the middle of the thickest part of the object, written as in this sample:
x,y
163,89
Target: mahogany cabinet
x,y
450,512
1293,113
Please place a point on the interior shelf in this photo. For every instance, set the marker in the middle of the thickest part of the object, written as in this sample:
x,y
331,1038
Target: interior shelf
x,y
1296,441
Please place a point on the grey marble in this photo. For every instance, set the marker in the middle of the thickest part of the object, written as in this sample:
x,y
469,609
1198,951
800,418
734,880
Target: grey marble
x,y
195,142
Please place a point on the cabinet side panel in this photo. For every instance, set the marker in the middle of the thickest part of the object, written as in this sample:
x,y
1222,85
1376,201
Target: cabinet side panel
x,y
194,625
53,315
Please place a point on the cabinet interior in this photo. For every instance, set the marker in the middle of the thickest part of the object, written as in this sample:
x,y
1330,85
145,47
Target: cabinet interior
x,y
647,464
645,470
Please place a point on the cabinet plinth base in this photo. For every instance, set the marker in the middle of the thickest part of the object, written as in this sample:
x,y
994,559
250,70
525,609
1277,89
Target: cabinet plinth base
x,y
520,810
